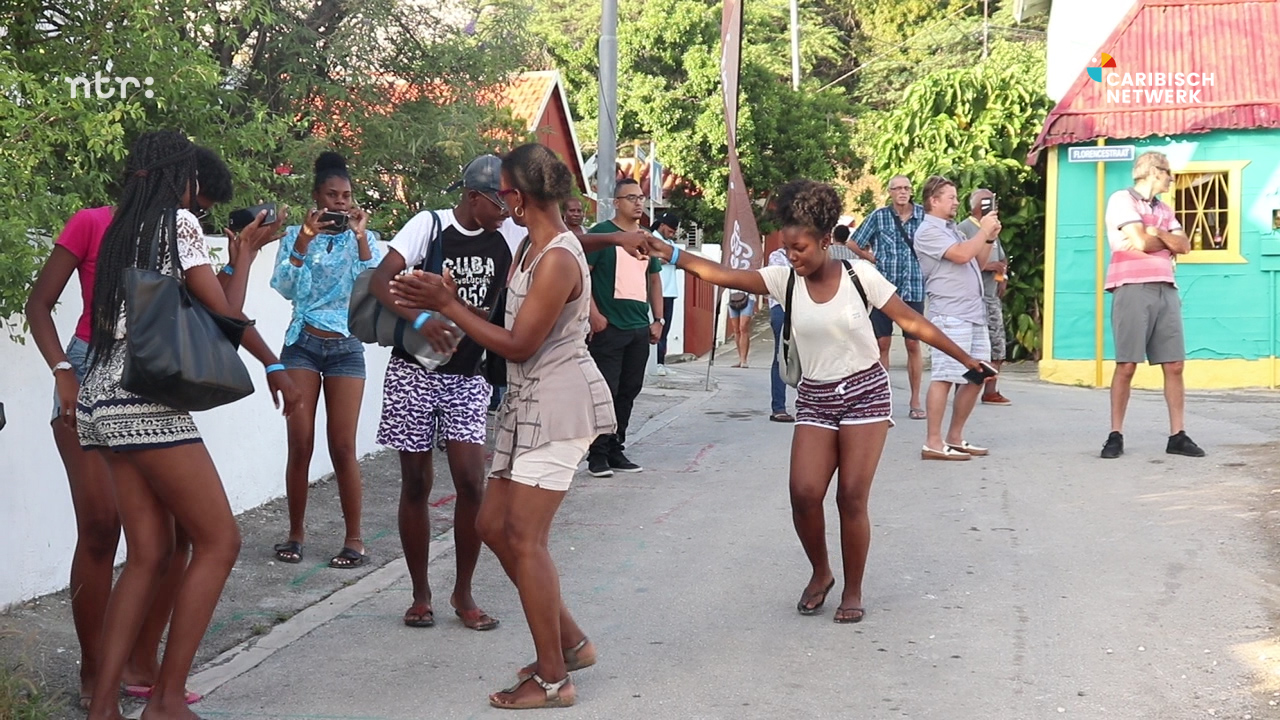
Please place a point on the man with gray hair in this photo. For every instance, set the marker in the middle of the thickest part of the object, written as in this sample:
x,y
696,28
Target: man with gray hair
x,y
1146,312
981,202
952,268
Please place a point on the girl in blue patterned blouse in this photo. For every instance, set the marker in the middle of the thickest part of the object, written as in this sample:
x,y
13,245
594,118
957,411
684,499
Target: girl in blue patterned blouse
x,y
316,266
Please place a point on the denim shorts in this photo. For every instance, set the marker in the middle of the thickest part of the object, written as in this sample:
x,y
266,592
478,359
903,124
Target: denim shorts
x,y
329,357
78,356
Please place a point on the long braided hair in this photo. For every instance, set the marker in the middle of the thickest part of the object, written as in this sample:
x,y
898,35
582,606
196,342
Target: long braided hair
x,y
160,170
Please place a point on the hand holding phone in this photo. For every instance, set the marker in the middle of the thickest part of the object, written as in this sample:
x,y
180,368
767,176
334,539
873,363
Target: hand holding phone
x,y
987,204
979,376
337,221
240,219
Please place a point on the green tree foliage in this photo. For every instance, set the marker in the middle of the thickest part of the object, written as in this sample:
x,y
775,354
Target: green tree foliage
x,y
974,126
264,82
669,90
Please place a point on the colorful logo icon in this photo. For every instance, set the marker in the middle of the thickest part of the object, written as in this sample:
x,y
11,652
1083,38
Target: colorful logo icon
x,y
1102,61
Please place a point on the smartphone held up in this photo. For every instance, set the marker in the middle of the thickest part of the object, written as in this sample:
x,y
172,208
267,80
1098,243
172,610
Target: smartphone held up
x,y
241,219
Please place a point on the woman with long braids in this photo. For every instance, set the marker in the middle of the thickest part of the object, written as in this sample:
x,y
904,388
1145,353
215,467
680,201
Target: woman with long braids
x,y
843,400
556,396
316,266
161,472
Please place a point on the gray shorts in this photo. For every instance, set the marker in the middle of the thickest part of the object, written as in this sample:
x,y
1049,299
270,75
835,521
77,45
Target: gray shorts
x,y
1146,324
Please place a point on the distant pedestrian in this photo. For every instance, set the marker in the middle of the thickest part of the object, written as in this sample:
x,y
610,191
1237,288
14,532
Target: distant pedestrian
x,y
953,279
574,215
885,238
844,399
839,249
777,388
994,282
558,403
316,267
1146,312
666,226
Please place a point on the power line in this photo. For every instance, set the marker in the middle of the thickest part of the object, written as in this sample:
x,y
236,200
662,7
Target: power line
x,y
920,33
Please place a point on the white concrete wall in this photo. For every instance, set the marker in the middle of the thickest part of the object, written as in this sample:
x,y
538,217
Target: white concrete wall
x,y
246,439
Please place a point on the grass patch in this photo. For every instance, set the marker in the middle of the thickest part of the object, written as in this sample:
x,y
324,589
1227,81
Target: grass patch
x,y
22,699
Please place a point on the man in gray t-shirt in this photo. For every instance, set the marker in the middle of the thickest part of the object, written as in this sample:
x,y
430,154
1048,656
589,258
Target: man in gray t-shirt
x,y
952,269
993,284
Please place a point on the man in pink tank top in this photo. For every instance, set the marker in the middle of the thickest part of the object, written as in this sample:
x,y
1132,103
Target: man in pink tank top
x,y
1146,312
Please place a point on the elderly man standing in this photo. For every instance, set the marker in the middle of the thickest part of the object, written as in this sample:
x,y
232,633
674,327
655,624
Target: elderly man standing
x,y
1146,312
952,268
885,238
993,285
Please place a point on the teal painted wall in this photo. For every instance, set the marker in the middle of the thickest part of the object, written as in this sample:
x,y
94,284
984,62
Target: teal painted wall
x,y
1229,310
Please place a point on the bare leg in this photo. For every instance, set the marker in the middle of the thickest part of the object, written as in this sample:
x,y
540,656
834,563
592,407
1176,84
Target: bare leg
x,y
148,529
301,426
936,407
1175,396
813,462
884,350
466,464
97,538
342,398
416,477
860,448
966,398
187,483
744,339
527,527
915,368
143,666
1121,385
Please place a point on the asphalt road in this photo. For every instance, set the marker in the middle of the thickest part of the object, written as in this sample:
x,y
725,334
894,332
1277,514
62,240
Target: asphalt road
x,y
1038,582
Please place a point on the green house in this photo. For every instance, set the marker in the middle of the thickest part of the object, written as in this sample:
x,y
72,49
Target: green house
x,y
1212,104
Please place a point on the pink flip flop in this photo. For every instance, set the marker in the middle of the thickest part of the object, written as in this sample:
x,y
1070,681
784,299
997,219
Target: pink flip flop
x,y
143,692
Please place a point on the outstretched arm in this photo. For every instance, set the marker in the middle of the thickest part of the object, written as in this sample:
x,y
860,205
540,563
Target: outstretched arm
x,y
714,273
914,323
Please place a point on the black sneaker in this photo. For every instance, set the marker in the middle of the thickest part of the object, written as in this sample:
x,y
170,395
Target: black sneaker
x,y
619,462
1180,444
1114,446
598,466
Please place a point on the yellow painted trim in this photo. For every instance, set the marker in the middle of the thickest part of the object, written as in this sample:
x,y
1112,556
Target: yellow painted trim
x,y
1100,210
1199,374
1235,208
1050,254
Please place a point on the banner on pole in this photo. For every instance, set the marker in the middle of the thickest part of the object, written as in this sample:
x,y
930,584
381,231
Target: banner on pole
x,y
742,249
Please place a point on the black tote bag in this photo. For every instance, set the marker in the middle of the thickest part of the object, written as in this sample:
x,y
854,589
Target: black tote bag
x,y
178,352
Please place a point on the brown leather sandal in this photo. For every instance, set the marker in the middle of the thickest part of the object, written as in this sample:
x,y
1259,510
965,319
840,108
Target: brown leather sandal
x,y
558,695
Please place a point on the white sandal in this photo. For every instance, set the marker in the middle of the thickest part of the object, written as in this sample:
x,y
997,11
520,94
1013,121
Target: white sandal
x,y
554,698
968,449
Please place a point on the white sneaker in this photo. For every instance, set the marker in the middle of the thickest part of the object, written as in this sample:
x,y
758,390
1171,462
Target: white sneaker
x,y
661,371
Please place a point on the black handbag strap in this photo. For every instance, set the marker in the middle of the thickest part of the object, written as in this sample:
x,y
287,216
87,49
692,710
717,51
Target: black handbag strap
x,y
433,258
786,307
902,229
857,284
161,229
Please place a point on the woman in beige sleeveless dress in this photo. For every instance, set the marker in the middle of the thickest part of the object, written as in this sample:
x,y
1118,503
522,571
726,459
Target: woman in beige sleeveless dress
x,y
556,403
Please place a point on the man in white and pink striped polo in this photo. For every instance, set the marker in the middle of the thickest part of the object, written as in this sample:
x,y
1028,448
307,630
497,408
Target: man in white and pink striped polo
x,y
1146,312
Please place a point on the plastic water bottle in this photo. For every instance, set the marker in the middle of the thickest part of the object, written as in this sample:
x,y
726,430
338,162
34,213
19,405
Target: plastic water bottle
x,y
429,357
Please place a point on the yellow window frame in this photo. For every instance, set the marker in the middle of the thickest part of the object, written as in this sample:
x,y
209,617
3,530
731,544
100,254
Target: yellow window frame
x,y
1235,209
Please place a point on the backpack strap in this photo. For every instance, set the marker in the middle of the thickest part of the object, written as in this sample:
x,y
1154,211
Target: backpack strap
x,y
433,259
857,284
786,308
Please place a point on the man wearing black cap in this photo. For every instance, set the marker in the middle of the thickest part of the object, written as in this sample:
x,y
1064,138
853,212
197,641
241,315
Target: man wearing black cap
x,y
665,227
475,242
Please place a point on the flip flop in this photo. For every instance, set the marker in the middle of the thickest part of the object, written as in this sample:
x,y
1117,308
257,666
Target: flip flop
x,y
846,619
143,692
348,559
476,619
424,618
946,453
805,609
917,414
782,418
289,551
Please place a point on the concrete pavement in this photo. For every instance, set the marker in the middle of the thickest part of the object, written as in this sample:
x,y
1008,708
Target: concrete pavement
x,y
1038,582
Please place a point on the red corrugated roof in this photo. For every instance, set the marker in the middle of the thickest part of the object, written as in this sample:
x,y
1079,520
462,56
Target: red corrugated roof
x,y
1233,39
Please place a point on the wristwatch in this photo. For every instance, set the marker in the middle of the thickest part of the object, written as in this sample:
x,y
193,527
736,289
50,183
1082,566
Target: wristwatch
x,y
64,365
661,321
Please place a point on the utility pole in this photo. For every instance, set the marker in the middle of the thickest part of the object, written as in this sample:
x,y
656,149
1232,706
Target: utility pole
x,y
795,44
986,27
607,147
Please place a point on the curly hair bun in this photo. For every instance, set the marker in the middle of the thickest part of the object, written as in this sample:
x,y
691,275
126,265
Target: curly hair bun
x,y
330,161
808,204
537,172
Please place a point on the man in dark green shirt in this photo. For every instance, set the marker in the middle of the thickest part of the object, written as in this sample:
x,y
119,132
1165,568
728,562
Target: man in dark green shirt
x,y
624,290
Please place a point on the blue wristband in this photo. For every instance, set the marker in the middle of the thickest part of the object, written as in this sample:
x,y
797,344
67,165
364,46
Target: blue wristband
x,y
675,255
228,270
297,255
277,367
422,320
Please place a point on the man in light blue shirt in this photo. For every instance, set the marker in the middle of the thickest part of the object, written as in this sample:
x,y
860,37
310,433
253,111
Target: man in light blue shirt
x,y
665,227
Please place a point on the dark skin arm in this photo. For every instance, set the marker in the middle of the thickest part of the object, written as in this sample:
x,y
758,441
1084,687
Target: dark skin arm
x,y
200,281
555,282
913,322
242,250
435,330
636,243
655,305
714,273
49,285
